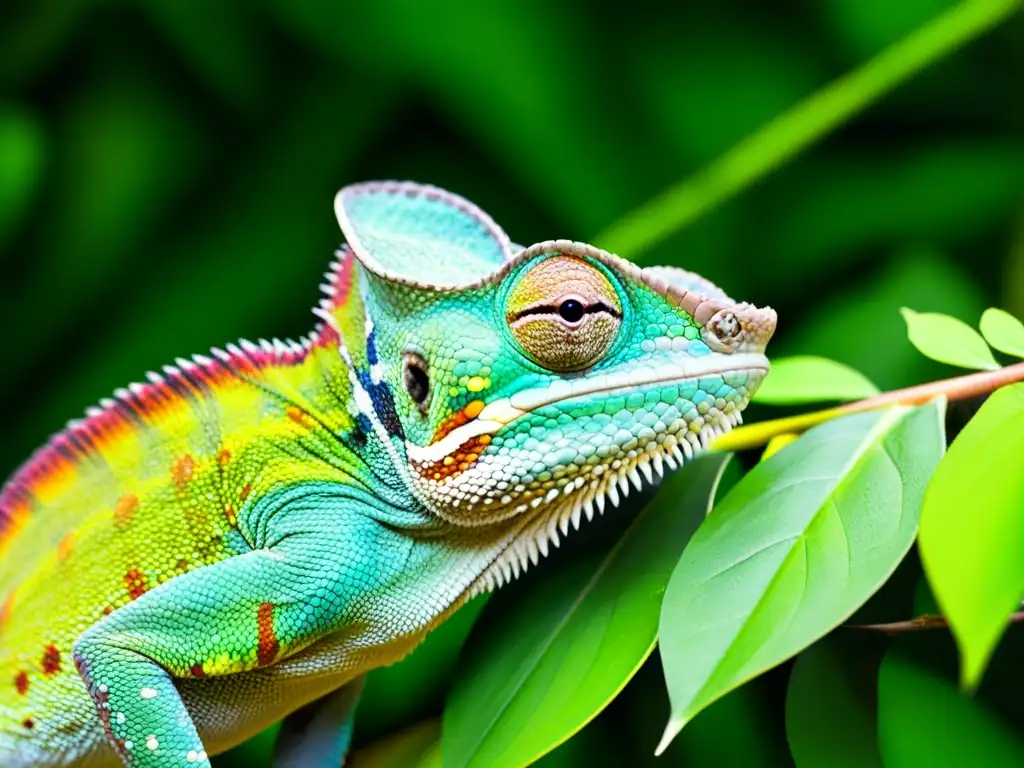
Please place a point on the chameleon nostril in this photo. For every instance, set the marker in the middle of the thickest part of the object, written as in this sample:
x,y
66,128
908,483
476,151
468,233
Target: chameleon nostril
x,y
726,326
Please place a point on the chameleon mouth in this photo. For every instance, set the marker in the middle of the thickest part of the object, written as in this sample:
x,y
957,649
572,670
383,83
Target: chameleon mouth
x,y
502,412
537,526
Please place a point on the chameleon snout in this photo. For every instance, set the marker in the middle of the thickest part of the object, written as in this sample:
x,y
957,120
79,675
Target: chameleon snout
x,y
740,328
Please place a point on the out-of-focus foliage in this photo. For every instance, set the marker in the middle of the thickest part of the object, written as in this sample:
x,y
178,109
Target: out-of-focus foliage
x,y
166,177
809,379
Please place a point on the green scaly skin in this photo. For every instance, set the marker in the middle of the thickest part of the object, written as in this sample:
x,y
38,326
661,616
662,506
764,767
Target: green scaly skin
x,y
251,532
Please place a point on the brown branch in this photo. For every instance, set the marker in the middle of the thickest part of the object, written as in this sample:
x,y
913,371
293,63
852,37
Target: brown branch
x,y
919,624
956,388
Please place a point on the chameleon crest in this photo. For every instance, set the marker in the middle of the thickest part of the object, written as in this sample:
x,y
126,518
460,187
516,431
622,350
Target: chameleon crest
x,y
248,533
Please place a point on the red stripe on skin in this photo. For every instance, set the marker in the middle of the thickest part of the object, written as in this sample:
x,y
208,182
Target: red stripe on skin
x,y
268,645
21,683
343,280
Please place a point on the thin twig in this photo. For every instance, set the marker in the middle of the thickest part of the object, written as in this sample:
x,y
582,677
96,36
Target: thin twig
x,y
956,388
920,623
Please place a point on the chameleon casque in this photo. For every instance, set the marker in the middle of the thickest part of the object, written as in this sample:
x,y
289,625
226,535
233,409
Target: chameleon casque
x,y
245,535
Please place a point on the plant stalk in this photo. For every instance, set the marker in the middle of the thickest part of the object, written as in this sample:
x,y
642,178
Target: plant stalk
x,y
956,388
921,623
784,137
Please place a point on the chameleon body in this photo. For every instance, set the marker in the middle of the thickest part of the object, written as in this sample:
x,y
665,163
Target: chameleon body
x,y
250,532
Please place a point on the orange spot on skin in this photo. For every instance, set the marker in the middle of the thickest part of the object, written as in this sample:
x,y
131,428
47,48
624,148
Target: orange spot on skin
x,y
457,462
5,611
224,457
457,419
51,660
125,509
229,513
21,683
246,490
181,565
268,645
196,670
182,470
29,723
66,546
300,417
135,583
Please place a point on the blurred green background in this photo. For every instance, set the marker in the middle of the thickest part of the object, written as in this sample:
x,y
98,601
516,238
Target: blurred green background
x,y
167,170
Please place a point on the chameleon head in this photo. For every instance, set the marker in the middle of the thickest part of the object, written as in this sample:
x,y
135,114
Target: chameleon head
x,y
533,384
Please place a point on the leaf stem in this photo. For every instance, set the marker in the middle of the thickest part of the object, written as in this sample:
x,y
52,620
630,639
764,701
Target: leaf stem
x,y
956,388
919,624
787,135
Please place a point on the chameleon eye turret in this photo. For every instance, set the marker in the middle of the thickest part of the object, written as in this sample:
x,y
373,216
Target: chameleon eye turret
x,y
564,313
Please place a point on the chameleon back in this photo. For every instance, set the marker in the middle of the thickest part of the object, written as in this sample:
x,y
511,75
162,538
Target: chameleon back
x,y
146,488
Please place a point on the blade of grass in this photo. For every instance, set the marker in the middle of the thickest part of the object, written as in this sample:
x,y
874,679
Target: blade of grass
x,y
788,134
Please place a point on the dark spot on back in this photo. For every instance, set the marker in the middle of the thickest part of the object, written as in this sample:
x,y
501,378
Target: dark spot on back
x,y
135,583
51,660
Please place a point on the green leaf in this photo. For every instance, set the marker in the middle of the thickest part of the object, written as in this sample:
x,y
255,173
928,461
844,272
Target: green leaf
x,y
831,715
948,340
972,527
794,549
574,643
1003,331
810,379
923,720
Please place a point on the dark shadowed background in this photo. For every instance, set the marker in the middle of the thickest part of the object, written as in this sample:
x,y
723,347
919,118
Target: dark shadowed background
x,y
167,170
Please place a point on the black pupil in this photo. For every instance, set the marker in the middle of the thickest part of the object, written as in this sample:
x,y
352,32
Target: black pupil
x,y
571,311
416,383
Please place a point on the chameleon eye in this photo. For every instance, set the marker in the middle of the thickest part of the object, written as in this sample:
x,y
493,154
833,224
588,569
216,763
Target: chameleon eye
x,y
564,313
417,382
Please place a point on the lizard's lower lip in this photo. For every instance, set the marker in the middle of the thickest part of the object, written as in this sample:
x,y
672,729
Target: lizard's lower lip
x,y
502,412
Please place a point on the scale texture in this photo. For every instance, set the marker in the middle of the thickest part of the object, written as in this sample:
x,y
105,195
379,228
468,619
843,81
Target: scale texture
x,y
245,534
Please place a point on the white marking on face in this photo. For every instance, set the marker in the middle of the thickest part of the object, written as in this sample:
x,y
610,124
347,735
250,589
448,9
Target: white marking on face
x,y
152,743
148,693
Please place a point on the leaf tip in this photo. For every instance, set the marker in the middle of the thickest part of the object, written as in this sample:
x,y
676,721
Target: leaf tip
x,y
675,725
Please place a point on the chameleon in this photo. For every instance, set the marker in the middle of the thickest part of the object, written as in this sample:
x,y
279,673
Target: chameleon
x,y
240,538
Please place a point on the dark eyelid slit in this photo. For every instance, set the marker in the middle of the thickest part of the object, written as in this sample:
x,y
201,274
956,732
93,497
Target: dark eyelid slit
x,y
591,309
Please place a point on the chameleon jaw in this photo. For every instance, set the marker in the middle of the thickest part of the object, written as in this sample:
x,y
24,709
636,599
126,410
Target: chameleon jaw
x,y
499,413
524,544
